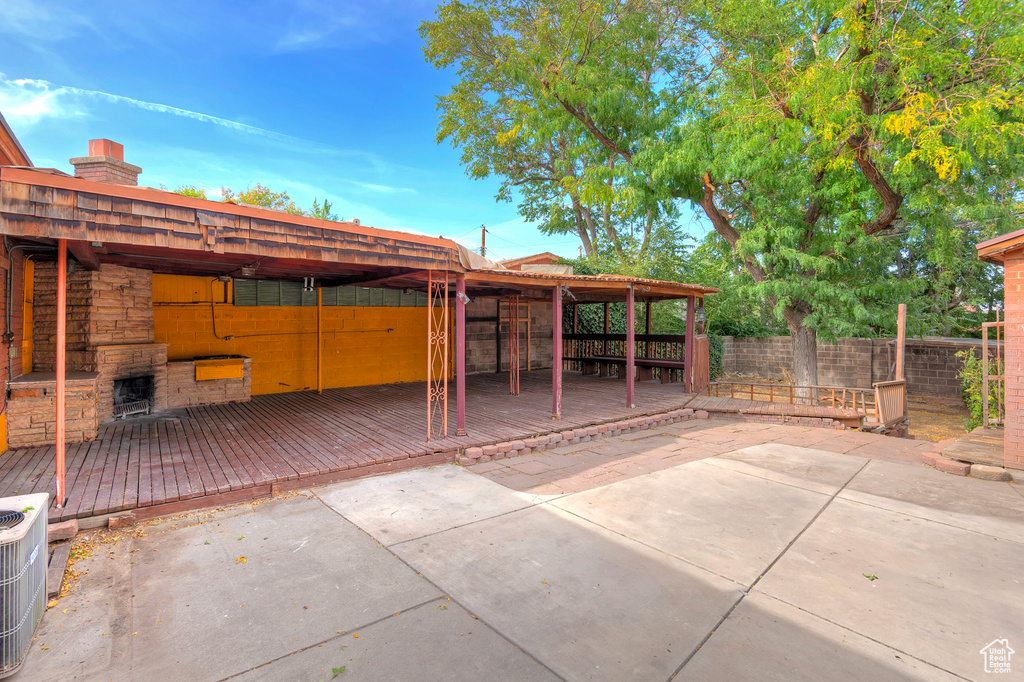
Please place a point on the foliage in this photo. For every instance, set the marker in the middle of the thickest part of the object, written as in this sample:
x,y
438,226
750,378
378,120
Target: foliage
x,y
716,355
510,56
971,388
846,153
258,195
191,191
322,211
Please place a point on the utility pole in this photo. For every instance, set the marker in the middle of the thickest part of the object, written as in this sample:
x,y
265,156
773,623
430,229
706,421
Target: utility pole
x,y
483,240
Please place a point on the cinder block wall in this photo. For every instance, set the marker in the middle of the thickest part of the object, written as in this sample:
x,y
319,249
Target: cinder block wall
x,y
486,346
931,366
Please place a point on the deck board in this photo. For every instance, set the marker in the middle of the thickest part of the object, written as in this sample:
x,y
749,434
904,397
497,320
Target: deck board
x,y
181,455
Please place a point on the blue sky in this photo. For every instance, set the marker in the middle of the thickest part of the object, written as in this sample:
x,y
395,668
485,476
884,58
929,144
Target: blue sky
x,y
321,99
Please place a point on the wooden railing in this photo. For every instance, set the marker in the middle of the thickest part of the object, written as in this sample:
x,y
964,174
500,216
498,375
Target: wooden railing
x,y
992,400
649,346
882,405
890,402
665,346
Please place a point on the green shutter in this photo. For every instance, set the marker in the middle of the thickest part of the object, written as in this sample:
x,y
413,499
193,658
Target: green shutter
x,y
245,291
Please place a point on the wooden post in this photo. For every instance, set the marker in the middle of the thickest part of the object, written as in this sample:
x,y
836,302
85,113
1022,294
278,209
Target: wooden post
x,y
647,320
901,342
901,337
691,316
497,336
529,321
319,340
556,352
630,346
62,323
607,327
460,355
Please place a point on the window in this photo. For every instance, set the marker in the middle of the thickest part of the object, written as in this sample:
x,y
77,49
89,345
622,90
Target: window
x,y
261,292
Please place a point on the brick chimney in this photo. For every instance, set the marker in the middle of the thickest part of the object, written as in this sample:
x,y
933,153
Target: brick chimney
x,y
105,163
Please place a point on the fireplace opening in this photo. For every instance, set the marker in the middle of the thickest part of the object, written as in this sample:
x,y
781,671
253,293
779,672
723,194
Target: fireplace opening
x,y
133,396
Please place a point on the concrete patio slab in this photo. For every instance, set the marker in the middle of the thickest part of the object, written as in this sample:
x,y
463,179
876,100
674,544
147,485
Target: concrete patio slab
x,y
817,470
414,503
436,641
88,636
765,640
588,603
941,593
201,611
754,518
988,507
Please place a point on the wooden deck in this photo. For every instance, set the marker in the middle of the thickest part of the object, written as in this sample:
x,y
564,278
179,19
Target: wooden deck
x,y
980,446
205,456
849,415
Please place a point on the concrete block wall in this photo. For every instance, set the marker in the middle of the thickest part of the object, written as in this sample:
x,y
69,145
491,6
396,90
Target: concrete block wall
x,y
931,365
482,347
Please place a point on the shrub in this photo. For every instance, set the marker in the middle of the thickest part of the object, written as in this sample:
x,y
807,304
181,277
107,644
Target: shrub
x,y
716,351
971,388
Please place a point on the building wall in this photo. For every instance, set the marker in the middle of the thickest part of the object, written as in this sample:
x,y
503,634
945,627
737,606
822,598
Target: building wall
x,y
109,306
931,366
10,366
483,353
361,346
1013,292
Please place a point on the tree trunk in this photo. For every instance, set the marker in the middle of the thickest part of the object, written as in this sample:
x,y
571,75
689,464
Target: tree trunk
x,y
805,358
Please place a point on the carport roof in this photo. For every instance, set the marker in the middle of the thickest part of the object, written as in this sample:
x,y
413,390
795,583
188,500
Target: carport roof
x,y
170,233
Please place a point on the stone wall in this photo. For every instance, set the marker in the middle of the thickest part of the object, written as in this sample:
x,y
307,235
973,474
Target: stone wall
x,y
109,306
124,362
184,391
931,364
482,348
11,366
32,411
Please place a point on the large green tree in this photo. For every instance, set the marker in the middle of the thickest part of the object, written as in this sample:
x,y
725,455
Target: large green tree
x,y
820,138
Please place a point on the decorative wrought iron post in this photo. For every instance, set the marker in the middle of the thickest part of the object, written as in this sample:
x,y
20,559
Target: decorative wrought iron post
x,y
460,355
437,355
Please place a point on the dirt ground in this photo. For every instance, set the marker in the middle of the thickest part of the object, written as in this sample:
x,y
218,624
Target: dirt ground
x,y
932,417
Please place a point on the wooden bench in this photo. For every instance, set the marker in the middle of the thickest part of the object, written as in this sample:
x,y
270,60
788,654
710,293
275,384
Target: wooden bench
x,y
644,366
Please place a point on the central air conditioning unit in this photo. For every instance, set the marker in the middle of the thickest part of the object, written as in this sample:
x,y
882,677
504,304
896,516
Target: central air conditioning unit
x,y
23,559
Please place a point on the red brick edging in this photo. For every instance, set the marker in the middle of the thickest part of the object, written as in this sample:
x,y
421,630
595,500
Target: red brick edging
x,y
557,439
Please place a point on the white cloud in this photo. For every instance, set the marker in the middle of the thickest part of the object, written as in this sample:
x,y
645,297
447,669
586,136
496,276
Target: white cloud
x,y
39,23
383,189
316,24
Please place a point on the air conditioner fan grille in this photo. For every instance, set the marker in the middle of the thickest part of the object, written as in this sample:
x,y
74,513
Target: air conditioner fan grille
x,y
10,519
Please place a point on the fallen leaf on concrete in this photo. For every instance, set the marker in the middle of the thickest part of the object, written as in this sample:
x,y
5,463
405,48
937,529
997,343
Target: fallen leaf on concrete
x,y
240,560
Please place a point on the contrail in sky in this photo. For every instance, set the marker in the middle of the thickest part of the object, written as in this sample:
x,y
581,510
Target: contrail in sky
x,y
49,90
